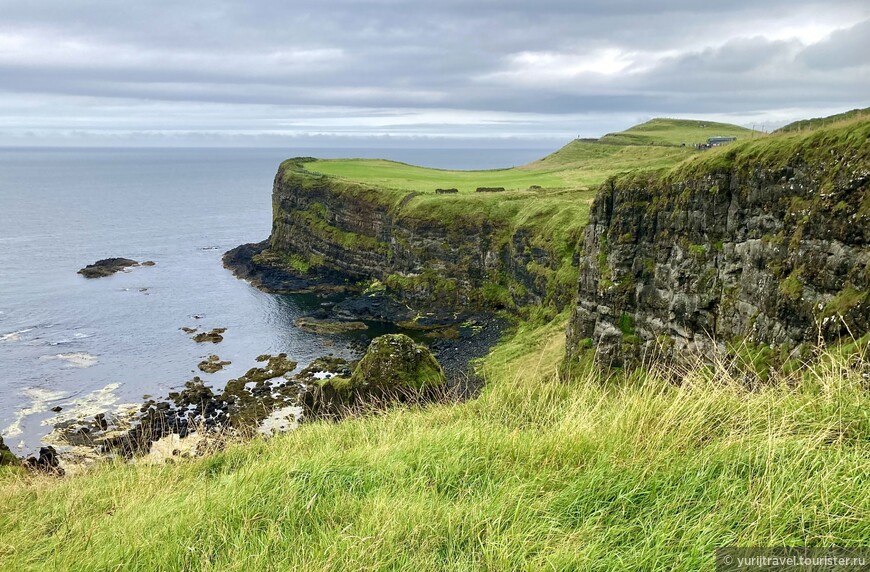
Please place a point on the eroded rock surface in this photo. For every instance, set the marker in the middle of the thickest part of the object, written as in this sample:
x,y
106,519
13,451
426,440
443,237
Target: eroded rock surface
x,y
214,336
756,245
213,364
394,368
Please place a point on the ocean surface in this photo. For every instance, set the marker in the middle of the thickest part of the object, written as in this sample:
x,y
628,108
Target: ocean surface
x,y
92,345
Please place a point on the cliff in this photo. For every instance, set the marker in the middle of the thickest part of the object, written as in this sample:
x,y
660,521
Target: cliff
x,y
435,252
763,245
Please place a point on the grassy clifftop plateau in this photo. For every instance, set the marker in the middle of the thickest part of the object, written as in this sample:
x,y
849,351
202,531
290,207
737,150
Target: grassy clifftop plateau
x,y
578,164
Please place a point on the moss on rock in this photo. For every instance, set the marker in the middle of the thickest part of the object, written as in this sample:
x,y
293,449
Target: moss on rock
x,y
392,364
6,456
317,326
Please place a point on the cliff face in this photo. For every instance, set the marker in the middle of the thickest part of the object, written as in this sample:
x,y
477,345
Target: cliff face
x,y
444,259
767,243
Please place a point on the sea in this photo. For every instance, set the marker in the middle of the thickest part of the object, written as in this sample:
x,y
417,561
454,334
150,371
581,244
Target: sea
x,y
89,346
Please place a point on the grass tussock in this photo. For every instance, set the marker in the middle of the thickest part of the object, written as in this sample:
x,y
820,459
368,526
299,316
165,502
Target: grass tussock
x,y
538,473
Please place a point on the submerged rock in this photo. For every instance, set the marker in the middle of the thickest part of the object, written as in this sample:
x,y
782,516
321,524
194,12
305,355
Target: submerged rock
x,y
215,336
319,326
109,266
213,364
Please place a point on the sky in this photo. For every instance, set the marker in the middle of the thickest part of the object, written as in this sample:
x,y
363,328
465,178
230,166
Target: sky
x,y
483,73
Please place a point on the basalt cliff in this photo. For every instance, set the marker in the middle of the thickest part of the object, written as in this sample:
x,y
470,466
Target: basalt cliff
x,y
765,245
436,253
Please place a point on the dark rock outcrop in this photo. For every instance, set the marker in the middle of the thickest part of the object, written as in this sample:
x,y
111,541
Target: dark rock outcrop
x,y
214,336
47,462
766,244
6,456
109,266
394,368
213,364
269,272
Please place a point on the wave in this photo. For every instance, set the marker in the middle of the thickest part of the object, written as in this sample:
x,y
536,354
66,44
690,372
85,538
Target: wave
x,y
76,337
14,336
76,359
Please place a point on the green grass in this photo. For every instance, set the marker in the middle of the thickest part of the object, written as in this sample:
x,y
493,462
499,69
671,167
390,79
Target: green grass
x,y
815,148
677,132
579,164
409,177
536,474
816,122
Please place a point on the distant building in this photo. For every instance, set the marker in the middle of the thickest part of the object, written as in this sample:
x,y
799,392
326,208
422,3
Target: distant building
x,y
720,140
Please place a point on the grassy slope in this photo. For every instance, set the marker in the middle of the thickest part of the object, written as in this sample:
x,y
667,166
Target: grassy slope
x,y
535,474
809,124
815,147
578,164
677,132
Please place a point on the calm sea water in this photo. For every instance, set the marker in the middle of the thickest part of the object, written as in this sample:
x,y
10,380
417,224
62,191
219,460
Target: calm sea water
x,y
90,345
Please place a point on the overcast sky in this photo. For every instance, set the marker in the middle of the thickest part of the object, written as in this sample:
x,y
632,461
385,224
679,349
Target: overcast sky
x,y
437,73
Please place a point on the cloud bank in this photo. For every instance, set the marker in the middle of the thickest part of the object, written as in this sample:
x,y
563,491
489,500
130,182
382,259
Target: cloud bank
x,y
342,72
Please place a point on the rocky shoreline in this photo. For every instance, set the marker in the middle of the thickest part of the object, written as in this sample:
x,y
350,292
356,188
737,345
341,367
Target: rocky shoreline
x,y
272,396
243,263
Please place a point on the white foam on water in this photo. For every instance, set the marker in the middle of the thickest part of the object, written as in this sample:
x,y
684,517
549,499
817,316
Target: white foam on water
x,y
14,336
40,402
88,405
77,359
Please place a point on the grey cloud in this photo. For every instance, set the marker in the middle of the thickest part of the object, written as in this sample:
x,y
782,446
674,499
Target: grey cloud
x,y
843,49
382,59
